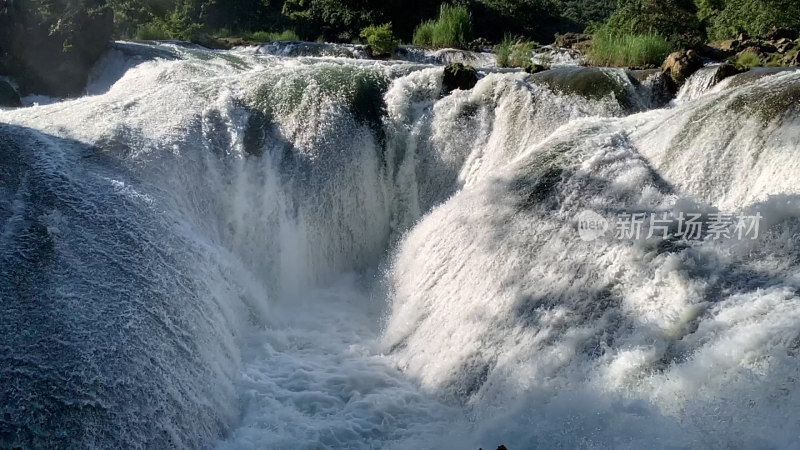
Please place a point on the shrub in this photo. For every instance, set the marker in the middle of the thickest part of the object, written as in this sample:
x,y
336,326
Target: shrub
x,y
747,60
271,36
629,50
380,39
423,34
453,28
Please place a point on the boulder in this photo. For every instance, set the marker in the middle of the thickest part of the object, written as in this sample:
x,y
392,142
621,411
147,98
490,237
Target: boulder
x,y
767,47
784,44
726,70
782,33
731,45
792,59
681,65
8,95
458,76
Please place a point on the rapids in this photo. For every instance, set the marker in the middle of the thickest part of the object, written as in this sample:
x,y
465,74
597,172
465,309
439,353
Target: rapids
x,y
261,249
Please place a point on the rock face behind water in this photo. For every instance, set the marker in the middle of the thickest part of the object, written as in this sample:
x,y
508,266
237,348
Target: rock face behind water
x,y
679,66
8,95
458,76
45,59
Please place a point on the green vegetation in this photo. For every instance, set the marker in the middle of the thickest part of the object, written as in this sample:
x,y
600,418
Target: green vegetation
x,y
629,50
453,28
628,31
675,20
173,26
380,39
423,34
747,60
725,19
272,36
515,52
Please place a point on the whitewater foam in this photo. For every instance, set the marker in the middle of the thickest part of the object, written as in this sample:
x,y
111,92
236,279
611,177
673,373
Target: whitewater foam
x,y
244,250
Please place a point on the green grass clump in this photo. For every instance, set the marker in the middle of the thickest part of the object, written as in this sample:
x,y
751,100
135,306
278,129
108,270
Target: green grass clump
x,y
273,36
514,52
632,50
747,60
502,51
423,34
380,39
224,33
453,28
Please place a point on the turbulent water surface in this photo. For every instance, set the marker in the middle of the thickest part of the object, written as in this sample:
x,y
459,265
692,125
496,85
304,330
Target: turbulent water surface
x,y
244,250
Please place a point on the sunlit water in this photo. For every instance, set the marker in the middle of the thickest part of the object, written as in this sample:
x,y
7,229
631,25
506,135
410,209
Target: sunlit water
x,y
237,250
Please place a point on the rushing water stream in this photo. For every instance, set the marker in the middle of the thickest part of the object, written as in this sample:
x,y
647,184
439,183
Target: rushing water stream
x,y
240,250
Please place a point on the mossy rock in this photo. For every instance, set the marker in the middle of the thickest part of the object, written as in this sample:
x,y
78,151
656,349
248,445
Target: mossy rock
x,y
534,68
727,70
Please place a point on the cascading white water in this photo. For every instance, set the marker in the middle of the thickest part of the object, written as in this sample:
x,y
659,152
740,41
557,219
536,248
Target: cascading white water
x,y
246,251
424,55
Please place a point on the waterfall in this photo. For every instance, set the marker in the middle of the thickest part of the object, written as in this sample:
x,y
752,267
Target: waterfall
x,y
287,247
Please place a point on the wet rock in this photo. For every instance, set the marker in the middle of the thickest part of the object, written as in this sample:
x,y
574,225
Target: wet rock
x,y
214,43
681,65
726,70
478,45
458,76
534,68
8,95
